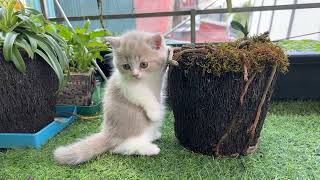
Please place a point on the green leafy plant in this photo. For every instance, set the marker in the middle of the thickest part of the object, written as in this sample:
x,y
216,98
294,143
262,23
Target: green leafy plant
x,y
84,45
238,26
25,30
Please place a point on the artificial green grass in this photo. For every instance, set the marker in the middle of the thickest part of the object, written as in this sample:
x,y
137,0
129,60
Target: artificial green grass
x,y
300,45
289,149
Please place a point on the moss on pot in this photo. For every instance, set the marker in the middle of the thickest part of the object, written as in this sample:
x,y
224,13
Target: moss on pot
x,y
247,54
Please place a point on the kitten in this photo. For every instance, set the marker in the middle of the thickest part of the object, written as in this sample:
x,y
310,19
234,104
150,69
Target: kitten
x,y
132,104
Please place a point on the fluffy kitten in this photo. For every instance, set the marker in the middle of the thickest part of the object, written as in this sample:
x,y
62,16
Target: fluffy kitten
x,y
132,106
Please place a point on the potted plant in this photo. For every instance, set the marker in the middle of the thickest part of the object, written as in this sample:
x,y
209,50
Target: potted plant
x,y
32,61
303,80
84,45
105,64
220,94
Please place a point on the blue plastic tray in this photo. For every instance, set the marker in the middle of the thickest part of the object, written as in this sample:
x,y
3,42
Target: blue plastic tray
x,y
63,118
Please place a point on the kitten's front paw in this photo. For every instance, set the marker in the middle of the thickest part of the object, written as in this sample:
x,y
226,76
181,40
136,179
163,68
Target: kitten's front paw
x,y
149,150
154,115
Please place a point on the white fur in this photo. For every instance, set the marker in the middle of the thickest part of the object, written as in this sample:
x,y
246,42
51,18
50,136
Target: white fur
x,y
83,150
142,95
141,145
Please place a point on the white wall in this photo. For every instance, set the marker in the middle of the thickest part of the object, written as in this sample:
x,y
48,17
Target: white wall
x,y
305,20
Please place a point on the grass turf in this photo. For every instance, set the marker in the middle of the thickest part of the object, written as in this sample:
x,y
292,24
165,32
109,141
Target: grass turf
x,y
289,149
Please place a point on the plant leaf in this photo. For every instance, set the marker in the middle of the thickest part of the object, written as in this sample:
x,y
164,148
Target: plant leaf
x,y
18,60
238,26
65,32
98,33
98,56
86,25
45,57
8,44
51,57
29,23
81,39
95,44
32,42
55,68
32,11
61,56
22,43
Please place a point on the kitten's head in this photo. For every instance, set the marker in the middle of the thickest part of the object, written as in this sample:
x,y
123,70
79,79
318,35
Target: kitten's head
x,y
138,55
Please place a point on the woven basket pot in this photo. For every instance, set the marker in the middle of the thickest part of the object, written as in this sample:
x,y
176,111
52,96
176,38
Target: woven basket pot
x,y
27,101
219,115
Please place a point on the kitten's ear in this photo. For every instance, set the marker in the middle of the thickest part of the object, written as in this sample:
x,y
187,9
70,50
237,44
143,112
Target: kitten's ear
x,y
114,41
157,41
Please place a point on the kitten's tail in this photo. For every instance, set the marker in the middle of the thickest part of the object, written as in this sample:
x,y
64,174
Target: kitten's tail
x,y
83,150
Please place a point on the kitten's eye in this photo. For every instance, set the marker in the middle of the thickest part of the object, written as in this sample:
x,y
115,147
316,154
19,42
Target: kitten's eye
x,y
143,65
126,66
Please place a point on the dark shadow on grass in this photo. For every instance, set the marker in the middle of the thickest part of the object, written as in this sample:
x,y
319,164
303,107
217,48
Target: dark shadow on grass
x,y
2,150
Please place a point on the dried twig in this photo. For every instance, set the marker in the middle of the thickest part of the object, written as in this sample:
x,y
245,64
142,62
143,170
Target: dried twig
x,y
175,48
170,60
252,149
211,48
198,50
245,72
253,127
225,135
243,58
245,89
244,44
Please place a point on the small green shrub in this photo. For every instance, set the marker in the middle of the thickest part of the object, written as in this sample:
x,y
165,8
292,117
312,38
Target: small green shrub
x,y
84,45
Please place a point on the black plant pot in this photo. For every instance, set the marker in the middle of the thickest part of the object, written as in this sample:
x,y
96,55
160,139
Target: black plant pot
x,y
302,82
27,101
105,64
209,117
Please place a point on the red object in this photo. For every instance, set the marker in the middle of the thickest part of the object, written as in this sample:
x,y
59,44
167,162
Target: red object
x,y
210,32
186,4
154,24
207,32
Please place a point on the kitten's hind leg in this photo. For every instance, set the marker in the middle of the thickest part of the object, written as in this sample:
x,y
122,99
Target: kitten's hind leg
x,y
155,131
137,146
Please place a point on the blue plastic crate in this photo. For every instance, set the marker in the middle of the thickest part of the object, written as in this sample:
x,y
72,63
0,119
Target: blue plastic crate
x,y
63,118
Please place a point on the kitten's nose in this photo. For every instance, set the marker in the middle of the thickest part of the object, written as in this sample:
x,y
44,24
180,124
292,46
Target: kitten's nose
x,y
136,75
